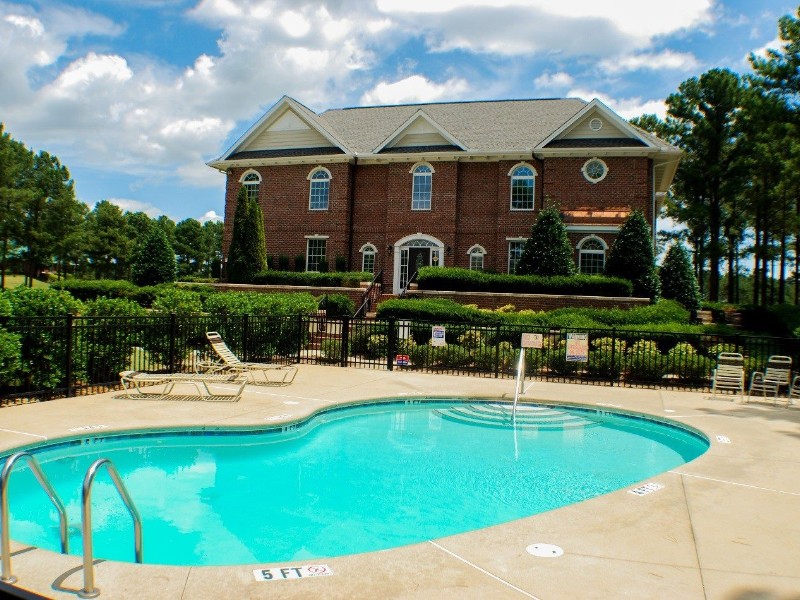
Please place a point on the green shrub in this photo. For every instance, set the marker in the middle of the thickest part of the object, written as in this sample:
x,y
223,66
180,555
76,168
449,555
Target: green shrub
x,y
377,346
89,289
557,360
337,305
258,304
112,307
154,259
631,257
300,263
684,361
677,278
460,280
606,358
311,279
433,310
10,352
330,350
172,300
644,362
283,262
548,250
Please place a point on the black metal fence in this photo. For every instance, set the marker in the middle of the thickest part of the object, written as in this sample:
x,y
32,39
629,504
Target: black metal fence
x,y
67,356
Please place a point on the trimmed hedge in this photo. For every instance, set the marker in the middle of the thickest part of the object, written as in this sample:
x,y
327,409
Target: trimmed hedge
x,y
91,289
434,310
311,279
464,280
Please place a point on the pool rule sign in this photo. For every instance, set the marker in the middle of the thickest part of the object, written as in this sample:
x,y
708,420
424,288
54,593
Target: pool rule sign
x,y
280,573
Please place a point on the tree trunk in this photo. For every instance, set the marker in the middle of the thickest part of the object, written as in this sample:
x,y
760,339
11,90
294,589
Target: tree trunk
x,y
713,249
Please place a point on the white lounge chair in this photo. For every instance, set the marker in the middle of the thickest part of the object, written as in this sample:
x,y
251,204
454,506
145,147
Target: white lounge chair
x,y
133,381
729,373
257,373
794,390
777,375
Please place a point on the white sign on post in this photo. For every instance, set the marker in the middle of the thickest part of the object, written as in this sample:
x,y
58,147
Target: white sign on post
x,y
531,340
437,336
577,347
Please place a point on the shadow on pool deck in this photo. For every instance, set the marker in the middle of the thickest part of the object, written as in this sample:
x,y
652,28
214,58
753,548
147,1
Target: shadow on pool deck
x,y
724,526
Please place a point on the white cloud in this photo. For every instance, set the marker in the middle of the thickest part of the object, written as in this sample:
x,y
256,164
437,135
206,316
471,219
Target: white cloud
x,y
776,44
627,108
553,80
415,88
129,205
294,24
666,60
210,216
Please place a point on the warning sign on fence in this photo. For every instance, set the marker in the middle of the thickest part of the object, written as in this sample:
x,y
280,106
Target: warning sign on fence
x,y
577,347
531,340
437,336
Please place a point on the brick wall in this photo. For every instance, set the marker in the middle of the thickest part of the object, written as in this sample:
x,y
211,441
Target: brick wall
x,y
470,205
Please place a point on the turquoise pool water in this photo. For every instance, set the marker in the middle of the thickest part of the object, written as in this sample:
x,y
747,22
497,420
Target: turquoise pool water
x,y
346,481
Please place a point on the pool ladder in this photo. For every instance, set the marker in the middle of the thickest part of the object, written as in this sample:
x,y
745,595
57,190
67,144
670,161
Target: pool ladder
x,y
89,590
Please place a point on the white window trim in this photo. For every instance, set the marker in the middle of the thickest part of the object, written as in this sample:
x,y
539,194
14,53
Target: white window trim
x,y
508,251
590,238
413,178
586,175
477,250
365,250
315,237
511,186
311,181
250,172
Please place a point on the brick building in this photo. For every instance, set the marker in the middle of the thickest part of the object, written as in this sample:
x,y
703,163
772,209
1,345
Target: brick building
x,y
451,184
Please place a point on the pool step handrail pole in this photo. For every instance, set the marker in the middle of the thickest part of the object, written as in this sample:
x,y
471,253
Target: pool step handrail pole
x,y
5,543
520,383
89,590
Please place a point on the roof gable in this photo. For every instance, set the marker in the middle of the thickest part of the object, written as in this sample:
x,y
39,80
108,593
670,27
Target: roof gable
x,y
287,125
593,124
419,130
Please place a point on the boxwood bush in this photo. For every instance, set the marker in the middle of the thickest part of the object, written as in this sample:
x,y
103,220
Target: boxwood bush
x,y
311,279
465,280
434,310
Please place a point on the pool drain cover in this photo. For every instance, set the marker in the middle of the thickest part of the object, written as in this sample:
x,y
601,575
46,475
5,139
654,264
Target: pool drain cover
x,y
545,550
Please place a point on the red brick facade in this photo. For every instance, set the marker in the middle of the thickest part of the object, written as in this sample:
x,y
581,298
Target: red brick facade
x,y
470,204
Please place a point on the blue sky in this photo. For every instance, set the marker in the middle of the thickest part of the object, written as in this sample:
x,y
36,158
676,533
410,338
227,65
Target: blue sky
x,y
134,96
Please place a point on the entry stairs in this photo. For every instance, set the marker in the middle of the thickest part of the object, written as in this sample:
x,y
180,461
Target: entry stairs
x,y
528,417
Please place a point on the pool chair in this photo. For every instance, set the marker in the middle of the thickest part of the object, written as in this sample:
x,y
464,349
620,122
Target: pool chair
x,y
257,373
729,373
777,375
794,390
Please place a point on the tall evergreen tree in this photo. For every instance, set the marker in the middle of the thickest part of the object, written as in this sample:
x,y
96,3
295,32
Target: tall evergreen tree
x,y
247,254
547,251
154,261
677,278
632,257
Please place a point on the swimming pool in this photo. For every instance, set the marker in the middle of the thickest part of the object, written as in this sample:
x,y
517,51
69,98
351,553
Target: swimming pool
x,y
348,480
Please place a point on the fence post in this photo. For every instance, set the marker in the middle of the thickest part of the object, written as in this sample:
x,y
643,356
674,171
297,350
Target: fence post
x,y
392,345
68,356
345,345
612,373
245,338
497,351
300,335
172,335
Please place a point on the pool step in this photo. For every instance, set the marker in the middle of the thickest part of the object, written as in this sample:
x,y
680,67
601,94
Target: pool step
x,y
528,417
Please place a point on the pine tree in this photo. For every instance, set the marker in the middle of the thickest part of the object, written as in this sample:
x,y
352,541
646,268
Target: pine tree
x,y
547,251
677,278
154,261
632,257
247,254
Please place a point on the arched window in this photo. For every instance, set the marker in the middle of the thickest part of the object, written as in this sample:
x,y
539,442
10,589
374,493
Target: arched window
x,y
421,188
368,252
523,187
251,181
320,189
592,256
476,254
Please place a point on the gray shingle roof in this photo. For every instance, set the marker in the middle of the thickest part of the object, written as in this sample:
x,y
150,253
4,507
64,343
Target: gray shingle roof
x,y
492,126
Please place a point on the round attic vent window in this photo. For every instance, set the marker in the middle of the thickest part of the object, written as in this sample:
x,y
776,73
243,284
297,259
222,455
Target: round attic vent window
x,y
595,124
594,170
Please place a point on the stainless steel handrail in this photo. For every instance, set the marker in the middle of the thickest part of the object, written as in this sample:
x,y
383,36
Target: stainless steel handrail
x,y
5,537
89,590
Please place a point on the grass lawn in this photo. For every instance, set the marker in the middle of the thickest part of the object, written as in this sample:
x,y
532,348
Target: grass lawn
x,y
13,281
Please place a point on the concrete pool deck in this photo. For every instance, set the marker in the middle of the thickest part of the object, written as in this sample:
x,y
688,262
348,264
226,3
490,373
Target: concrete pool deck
x,y
725,526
